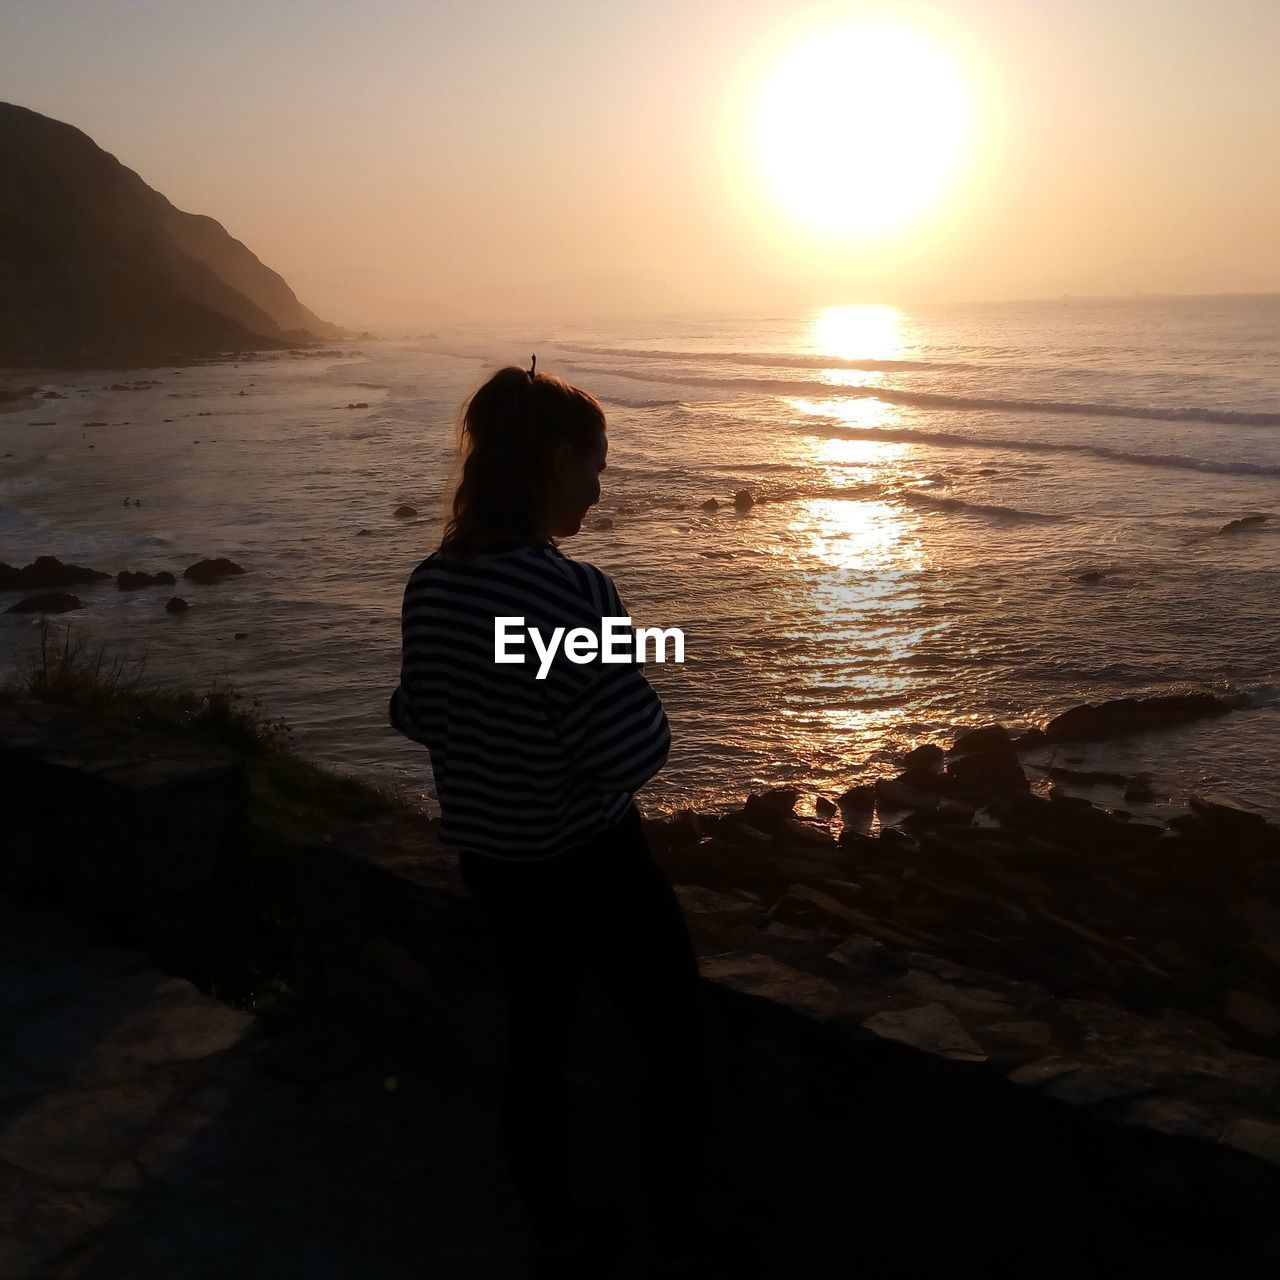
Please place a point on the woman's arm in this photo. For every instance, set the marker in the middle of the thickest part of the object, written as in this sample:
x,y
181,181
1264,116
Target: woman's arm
x,y
615,728
400,708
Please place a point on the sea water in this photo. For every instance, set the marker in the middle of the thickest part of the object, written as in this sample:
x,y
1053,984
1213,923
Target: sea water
x,y
961,515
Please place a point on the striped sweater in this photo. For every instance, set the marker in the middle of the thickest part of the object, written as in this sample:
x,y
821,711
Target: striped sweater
x,y
523,767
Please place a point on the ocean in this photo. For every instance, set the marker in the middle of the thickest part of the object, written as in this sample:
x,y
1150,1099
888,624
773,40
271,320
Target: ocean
x,y
962,515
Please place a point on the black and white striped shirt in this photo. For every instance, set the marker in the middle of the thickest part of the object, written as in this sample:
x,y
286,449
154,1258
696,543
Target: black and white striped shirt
x,y
523,767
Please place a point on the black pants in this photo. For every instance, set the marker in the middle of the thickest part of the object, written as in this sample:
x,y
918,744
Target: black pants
x,y
604,906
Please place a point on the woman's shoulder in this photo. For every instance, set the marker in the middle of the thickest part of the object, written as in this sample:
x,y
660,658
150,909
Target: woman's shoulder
x,y
595,585
528,571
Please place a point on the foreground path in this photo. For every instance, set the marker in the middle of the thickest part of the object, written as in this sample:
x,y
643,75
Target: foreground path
x,y
147,1130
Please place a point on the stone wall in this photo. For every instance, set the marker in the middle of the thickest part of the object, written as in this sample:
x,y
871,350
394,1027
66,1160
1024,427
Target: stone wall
x,y
823,1039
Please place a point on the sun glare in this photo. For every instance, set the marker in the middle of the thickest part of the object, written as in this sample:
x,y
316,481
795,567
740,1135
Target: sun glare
x,y
857,332
862,128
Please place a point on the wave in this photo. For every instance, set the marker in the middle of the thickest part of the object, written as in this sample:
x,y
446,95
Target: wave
x,y
952,439
943,400
1254,697
917,499
769,359
641,404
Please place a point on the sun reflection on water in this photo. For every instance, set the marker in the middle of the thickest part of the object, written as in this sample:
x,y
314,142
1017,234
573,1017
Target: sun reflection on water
x,y
857,333
865,535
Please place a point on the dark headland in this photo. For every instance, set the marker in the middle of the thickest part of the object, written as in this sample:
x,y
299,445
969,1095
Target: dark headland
x,y
101,271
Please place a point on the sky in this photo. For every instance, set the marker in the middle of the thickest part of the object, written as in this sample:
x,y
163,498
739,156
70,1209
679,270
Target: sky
x,y
403,162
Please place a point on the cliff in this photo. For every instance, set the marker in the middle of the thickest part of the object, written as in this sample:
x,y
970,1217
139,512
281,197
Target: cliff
x,y
100,270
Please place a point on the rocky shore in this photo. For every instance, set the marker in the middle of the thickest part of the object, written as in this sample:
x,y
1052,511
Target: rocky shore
x,y
972,856
976,1111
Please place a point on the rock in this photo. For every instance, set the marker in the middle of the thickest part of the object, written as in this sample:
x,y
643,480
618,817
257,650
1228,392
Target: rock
x,y
52,395
46,602
898,793
1032,740
1253,1012
1092,578
824,808
359,405
684,829
800,832
211,570
176,605
1090,723
1257,1137
1227,816
768,808
991,737
860,798
1139,791
996,766
932,1028
743,501
1245,522
363,533
699,901
405,512
127,581
1045,1069
603,524
923,761
1088,777
46,572
860,842
241,635
710,505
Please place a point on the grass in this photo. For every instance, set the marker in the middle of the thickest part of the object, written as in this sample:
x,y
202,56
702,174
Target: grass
x,y
245,958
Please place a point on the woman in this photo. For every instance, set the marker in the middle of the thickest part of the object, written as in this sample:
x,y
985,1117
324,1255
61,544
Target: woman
x,y
536,779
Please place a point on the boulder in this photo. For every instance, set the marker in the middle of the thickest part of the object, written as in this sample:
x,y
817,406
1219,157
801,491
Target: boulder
x,y
405,512
1139,791
985,758
768,808
1087,777
976,741
860,798
1227,817
127,581
923,762
176,605
46,573
743,501
1090,723
899,793
46,602
710,505
211,570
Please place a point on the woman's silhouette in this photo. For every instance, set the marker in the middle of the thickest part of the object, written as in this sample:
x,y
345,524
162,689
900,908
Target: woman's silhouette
x,y
536,780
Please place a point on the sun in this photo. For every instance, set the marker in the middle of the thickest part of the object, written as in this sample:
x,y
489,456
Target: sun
x,y
862,128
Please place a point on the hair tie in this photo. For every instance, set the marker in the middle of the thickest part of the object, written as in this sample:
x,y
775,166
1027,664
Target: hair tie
x,y
532,367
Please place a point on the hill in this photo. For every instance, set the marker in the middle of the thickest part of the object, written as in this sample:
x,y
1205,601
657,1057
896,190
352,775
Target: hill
x,y
99,270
